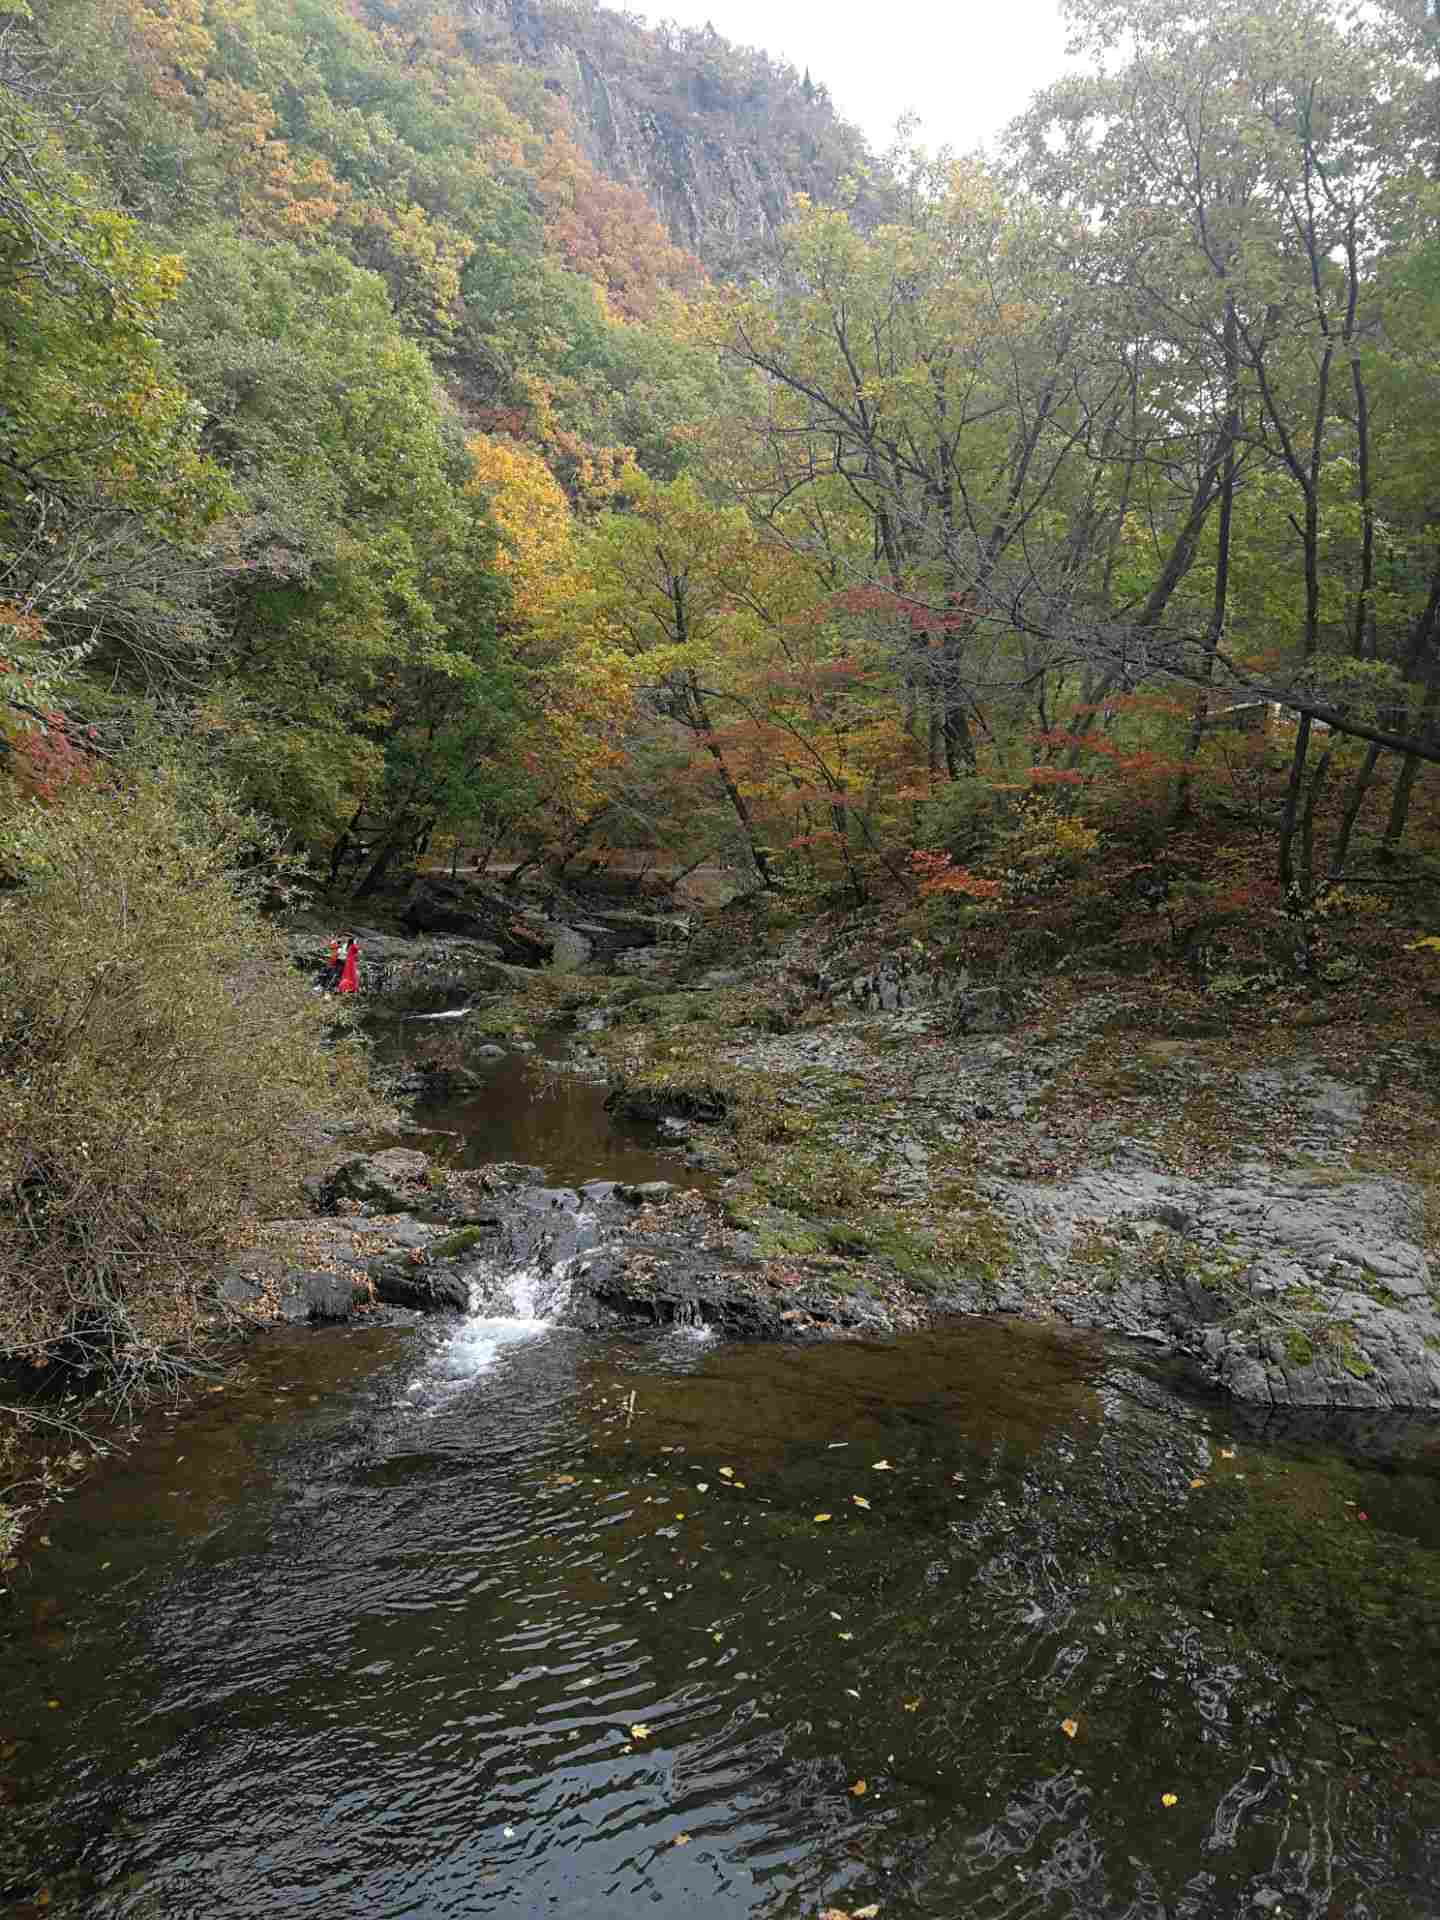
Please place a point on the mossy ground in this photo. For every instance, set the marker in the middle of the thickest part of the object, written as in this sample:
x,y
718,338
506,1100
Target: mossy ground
x,y
809,1106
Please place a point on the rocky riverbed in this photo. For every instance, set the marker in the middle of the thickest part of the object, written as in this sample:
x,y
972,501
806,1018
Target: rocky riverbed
x,y
892,1141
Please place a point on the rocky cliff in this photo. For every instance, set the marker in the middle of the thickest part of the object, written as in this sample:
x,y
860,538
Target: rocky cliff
x,y
719,138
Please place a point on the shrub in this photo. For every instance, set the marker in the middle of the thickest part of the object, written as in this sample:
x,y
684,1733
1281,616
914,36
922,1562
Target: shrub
x,y
159,1060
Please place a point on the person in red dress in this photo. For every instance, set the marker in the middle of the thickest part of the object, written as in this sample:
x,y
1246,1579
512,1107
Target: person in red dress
x,y
350,971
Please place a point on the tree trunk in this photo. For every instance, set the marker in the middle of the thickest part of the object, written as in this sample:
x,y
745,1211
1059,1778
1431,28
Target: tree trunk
x,y
1292,804
1359,787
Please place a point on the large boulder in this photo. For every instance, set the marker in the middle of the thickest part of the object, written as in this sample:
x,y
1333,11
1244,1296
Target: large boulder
x,y
402,1282
438,904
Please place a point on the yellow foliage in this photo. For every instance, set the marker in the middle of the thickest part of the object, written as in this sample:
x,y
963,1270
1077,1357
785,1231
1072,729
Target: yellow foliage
x,y
533,518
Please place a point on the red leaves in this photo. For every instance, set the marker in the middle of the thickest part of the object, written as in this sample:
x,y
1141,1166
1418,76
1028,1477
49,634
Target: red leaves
x,y
937,873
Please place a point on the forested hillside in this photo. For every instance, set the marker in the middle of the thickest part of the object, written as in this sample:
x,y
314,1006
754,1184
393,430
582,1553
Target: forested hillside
x,y
1052,536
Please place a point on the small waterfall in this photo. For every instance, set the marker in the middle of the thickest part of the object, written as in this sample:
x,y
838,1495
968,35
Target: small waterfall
x,y
506,1308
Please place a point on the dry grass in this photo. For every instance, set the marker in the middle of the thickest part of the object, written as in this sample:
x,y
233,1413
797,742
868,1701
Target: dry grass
x,y
158,1061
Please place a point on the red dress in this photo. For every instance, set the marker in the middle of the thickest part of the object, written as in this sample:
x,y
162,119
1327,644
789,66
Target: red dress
x,y
350,972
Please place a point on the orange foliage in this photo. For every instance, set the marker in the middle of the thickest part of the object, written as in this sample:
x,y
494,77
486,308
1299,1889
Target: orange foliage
x,y
937,873
609,233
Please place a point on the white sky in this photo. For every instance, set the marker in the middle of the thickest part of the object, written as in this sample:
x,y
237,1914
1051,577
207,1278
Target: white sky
x,y
965,69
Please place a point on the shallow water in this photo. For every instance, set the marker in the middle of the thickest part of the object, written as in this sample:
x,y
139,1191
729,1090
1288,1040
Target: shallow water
x,y
498,1617
371,1634
528,1111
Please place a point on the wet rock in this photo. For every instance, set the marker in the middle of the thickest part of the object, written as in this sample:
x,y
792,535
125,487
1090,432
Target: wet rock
x,y
646,1193
403,1283
323,1296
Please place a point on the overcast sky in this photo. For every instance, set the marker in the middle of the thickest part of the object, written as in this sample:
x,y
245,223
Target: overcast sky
x,y
966,69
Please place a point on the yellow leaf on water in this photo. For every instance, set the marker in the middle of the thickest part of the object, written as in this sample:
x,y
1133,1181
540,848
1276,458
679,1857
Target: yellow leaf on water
x,y
859,1500
911,1706
1227,1453
639,1731
679,1516
824,1516
1197,1483
881,1466
726,1473
1169,1799
682,1839
1069,1728
858,1788
737,1483
844,1636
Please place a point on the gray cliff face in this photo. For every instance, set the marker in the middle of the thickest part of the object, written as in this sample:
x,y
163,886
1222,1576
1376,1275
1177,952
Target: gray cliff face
x,y
716,195
719,140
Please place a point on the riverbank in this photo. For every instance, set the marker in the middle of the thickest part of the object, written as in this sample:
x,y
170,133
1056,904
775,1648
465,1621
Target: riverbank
x,y
1253,1185
881,1141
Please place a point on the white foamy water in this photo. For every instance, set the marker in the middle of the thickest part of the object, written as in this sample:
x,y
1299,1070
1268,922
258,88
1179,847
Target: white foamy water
x,y
536,1297
476,1344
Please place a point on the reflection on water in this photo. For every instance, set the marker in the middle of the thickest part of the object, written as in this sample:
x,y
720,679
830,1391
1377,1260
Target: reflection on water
x,y
394,1655
530,1111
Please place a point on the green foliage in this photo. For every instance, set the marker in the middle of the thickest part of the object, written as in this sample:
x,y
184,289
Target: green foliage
x,y
159,1065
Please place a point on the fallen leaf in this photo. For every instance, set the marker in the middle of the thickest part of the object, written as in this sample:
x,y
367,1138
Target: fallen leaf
x,y
563,1480
737,1483
1069,1728
726,1473
881,1466
824,1516
1227,1453
859,1500
639,1731
682,1839
680,1516
858,1789
844,1636
702,1486
1197,1483
1169,1799
911,1706
866,1913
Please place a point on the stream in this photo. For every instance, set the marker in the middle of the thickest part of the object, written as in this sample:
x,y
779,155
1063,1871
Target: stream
x,y
992,1622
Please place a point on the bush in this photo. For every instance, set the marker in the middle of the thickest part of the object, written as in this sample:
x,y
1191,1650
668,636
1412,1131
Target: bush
x,y
159,1060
